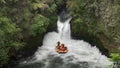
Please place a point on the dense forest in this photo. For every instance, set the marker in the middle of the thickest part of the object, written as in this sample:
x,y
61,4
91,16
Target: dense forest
x,y
23,24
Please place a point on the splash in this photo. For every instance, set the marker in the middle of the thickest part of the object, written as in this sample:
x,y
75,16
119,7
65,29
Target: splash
x,y
81,54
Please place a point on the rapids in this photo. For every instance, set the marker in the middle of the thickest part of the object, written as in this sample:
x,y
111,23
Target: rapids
x,y
81,54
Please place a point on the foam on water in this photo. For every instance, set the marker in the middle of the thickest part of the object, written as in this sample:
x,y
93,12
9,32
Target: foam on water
x,y
79,50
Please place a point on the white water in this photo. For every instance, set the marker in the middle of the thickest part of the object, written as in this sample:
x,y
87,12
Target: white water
x,y
64,29
79,50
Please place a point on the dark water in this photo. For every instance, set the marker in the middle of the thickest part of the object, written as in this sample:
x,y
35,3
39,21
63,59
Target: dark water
x,y
54,63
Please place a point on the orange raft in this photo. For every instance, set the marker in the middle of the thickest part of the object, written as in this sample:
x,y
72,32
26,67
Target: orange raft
x,y
61,51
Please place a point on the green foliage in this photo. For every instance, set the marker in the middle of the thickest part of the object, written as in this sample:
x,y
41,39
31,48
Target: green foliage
x,y
37,5
3,57
116,59
8,42
39,26
115,56
19,21
96,17
52,8
2,1
6,26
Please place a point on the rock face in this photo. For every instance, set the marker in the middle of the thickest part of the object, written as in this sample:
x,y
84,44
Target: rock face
x,y
64,15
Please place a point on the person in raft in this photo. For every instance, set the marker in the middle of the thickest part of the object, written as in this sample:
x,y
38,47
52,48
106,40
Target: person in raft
x,y
66,50
58,46
61,48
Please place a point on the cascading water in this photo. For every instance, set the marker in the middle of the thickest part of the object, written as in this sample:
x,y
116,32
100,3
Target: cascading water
x,y
81,54
64,29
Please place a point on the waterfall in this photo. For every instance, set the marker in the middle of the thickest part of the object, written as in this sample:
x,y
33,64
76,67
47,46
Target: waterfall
x,y
64,29
81,54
